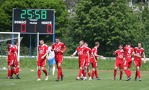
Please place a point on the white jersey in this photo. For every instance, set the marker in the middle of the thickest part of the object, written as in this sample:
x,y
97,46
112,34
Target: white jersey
x,y
51,53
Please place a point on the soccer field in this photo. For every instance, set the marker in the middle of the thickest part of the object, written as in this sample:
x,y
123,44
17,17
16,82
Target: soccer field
x,y
29,81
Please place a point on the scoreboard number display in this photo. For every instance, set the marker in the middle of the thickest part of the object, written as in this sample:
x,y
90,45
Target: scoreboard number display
x,y
33,20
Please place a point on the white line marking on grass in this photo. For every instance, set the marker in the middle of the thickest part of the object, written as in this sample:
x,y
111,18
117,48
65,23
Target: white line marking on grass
x,y
8,84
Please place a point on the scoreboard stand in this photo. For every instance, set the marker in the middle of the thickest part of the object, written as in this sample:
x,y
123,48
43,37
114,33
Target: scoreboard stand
x,y
34,21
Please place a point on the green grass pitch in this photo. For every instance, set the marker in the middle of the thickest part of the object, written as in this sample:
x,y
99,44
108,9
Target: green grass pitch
x,y
29,81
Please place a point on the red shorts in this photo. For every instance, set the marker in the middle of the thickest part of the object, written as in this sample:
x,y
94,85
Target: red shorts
x,y
137,63
93,63
119,64
81,63
58,58
128,63
10,62
41,62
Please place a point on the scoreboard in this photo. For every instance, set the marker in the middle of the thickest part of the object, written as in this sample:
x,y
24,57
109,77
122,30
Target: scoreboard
x,y
33,20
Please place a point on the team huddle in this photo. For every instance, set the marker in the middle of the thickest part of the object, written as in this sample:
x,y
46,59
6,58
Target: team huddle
x,y
86,57
124,60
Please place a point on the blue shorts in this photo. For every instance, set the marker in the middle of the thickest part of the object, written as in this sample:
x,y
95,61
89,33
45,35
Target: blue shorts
x,y
51,61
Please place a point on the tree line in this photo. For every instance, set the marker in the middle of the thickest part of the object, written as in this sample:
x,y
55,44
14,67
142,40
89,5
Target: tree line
x,y
111,22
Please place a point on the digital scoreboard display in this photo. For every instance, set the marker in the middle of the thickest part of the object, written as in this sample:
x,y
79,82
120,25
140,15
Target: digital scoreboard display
x,y
33,20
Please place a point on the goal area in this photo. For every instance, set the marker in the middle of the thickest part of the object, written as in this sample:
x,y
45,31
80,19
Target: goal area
x,y
4,37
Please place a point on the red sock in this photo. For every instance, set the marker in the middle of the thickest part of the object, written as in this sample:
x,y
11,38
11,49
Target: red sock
x,y
14,71
17,70
45,71
121,74
93,72
9,73
127,73
84,74
115,72
59,72
80,73
96,73
89,74
39,73
138,74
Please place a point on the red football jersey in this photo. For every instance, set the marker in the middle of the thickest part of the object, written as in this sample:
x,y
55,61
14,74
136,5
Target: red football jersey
x,y
88,51
119,54
82,51
11,53
138,52
58,47
95,50
16,48
128,51
42,50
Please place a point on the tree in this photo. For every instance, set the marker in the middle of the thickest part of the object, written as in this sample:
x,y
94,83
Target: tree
x,y
145,20
111,22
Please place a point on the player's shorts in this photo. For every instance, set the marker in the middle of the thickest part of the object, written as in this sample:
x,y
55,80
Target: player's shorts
x,y
51,61
128,63
59,58
41,63
81,63
119,64
137,63
93,63
10,62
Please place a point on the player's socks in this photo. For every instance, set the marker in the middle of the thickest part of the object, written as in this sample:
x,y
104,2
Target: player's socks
x,y
9,73
96,73
84,74
138,74
59,72
129,73
121,74
93,73
53,70
17,71
39,73
126,72
80,72
45,71
115,72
